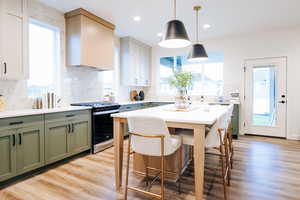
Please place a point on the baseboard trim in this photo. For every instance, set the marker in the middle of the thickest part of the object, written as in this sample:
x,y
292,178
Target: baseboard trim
x,y
293,137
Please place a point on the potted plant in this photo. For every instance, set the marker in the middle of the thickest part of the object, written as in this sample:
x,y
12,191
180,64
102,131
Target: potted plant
x,y
181,81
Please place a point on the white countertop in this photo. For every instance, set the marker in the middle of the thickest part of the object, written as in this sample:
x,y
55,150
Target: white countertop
x,y
26,112
198,114
131,102
194,102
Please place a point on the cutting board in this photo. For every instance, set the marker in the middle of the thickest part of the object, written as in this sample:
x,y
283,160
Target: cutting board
x,y
133,93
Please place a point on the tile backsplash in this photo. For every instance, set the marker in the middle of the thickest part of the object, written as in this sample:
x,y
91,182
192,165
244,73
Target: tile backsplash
x,y
77,84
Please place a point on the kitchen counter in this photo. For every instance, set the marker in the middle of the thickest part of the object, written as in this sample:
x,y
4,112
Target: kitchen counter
x,y
132,102
193,102
27,112
197,115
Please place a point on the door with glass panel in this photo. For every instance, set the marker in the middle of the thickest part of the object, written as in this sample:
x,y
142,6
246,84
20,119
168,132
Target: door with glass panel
x,y
265,97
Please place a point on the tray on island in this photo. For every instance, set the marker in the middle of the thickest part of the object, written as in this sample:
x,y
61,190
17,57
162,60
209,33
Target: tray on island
x,y
174,109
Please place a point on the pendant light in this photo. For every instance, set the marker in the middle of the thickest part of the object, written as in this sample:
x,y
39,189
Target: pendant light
x,y
197,52
175,35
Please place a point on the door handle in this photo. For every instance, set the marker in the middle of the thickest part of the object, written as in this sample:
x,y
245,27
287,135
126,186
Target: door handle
x,y
14,140
72,128
20,138
15,123
69,128
5,67
283,102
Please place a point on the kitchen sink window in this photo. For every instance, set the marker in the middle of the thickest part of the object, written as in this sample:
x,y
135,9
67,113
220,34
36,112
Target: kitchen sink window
x,y
44,59
207,75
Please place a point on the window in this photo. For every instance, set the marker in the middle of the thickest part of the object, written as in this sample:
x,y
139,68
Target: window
x,y
44,61
207,75
107,78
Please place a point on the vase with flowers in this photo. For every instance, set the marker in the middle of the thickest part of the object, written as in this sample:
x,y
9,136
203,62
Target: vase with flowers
x,y
181,81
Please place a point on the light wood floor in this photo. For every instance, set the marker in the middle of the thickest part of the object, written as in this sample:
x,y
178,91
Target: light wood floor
x,y
264,168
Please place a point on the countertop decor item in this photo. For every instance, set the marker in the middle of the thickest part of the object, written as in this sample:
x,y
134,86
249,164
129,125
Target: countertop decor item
x,y
182,81
2,103
133,94
138,98
142,95
109,97
175,35
197,52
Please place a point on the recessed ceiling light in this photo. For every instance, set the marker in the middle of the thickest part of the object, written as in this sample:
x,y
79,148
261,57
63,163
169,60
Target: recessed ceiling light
x,y
159,34
137,18
206,26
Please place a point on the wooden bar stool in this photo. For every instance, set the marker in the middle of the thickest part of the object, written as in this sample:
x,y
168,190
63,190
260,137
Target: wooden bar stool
x,y
216,139
150,136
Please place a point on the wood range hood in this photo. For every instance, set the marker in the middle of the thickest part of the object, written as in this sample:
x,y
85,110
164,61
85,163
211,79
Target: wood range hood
x,y
89,40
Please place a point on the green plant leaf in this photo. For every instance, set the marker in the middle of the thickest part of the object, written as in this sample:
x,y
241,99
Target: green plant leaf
x,y
181,80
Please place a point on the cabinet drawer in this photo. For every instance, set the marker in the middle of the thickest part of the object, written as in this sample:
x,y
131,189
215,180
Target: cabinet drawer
x,y
16,122
71,115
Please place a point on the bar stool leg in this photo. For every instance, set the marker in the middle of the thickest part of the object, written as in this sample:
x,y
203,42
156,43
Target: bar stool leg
x,y
230,144
227,159
162,168
180,170
147,171
127,169
223,172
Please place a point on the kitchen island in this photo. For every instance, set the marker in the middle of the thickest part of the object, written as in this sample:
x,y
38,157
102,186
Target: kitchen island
x,y
196,119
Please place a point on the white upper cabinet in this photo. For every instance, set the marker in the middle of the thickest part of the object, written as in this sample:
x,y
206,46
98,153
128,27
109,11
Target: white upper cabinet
x,y
135,62
13,23
14,7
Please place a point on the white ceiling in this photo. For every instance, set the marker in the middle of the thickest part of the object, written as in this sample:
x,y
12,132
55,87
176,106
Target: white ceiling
x,y
226,17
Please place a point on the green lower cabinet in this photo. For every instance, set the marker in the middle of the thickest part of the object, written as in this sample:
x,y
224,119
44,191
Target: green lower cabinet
x,y
235,121
30,142
21,150
30,148
56,141
67,134
7,154
79,139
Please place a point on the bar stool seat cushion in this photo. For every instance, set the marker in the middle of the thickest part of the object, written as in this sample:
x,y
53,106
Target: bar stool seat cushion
x,y
148,125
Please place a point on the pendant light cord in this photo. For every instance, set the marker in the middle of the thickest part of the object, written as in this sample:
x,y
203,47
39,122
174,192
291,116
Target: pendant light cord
x,y
175,9
197,24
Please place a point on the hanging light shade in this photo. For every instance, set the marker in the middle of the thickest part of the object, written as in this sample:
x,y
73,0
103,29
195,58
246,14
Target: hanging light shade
x,y
197,52
174,35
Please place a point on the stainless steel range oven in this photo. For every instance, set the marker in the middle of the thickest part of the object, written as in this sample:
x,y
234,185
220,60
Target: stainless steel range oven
x,y
102,124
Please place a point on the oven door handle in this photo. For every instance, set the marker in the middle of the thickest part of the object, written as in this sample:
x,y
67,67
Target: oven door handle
x,y
106,112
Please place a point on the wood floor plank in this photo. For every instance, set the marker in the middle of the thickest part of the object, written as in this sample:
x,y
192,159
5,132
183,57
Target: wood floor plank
x,y
264,168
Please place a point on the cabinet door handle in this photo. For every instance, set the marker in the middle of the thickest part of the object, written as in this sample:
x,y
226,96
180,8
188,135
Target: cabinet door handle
x,y
70,115
72,128
14,140
5,68
20,138
15,123
69,128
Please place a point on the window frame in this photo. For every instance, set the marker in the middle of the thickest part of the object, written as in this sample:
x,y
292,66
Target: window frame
x,y
57,53
163,94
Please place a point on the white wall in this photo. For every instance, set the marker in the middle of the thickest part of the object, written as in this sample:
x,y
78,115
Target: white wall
x,y
258,45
